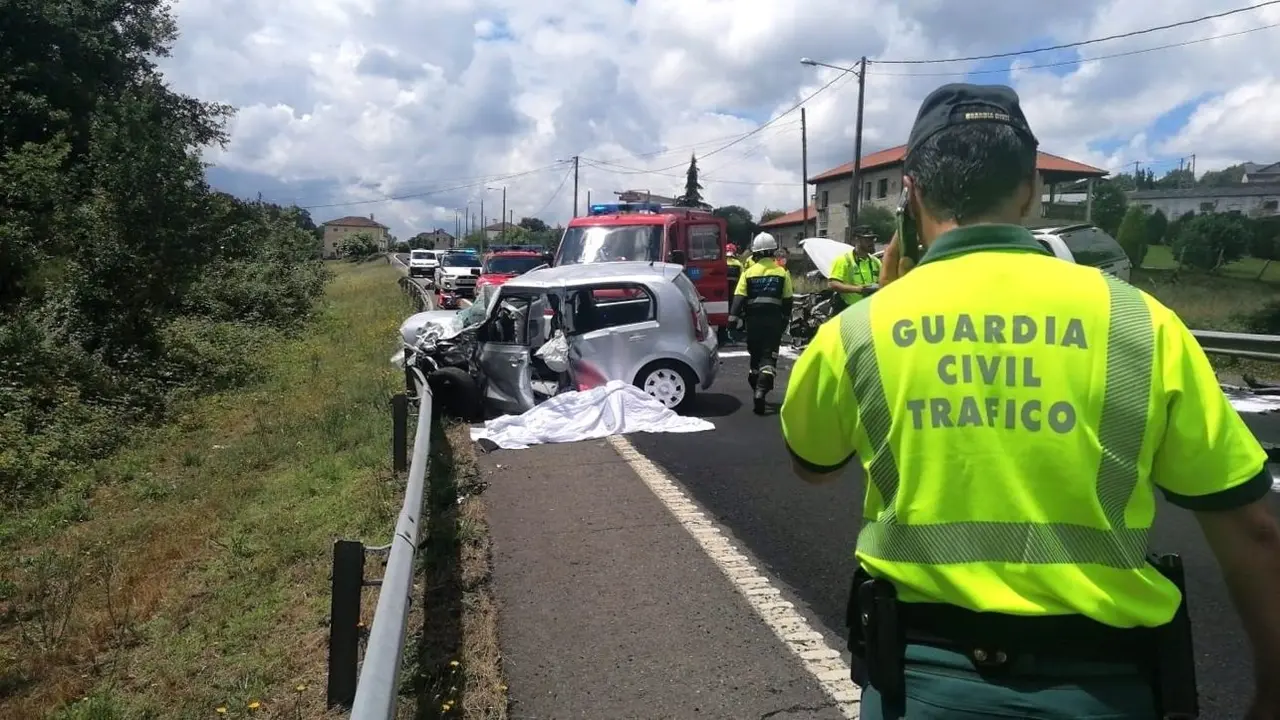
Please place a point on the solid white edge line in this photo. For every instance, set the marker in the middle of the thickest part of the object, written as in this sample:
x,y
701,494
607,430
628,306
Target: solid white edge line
x,y
822,661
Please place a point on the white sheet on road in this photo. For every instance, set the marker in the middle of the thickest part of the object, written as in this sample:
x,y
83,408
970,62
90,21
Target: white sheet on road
x,y
617,408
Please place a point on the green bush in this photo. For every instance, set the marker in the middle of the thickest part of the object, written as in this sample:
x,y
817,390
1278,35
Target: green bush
x,y
358,246
125,281
1207,242
1157,228
1133,235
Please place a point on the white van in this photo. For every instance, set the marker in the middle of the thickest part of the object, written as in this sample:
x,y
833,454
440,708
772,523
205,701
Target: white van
x,y
423,263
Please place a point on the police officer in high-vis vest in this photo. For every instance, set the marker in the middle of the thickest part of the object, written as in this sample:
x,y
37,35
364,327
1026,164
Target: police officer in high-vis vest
x,y
856,272
1014,414
764,298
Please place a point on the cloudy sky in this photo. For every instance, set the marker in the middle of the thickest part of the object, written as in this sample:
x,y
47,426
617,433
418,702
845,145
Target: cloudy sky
x,y
409,110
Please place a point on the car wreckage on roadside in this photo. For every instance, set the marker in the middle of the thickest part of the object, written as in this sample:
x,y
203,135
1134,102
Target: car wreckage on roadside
x,y
572,327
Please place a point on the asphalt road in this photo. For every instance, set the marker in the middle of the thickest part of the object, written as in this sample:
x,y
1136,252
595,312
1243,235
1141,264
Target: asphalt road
x,y
805,535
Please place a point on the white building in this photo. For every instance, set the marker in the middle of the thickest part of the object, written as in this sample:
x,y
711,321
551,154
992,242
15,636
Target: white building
x,y
881,179
1252,199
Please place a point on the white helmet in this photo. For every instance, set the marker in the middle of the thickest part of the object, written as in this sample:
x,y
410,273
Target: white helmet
x,y
764,242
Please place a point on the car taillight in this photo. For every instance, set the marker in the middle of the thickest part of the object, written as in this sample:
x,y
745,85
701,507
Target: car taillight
x,y
699,331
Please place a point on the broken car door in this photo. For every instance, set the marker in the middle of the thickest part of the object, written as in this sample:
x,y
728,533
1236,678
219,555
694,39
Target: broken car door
x,y
504,356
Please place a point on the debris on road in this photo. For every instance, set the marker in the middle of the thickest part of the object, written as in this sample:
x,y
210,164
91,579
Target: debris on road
x,y
616,408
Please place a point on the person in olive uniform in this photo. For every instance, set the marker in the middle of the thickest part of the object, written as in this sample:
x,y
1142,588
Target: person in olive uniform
x,y
1014,415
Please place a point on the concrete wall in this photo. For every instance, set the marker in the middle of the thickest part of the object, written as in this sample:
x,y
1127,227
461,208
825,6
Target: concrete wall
x,y
1250,205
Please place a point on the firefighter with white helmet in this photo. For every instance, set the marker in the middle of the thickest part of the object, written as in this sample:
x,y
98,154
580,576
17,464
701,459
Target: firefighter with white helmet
x,y
763,297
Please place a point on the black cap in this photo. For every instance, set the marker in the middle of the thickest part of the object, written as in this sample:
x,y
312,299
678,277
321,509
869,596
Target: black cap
x,y
959,103
863,231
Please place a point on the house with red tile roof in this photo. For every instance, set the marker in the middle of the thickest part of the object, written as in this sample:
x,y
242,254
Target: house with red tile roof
x,y
336,231
880,176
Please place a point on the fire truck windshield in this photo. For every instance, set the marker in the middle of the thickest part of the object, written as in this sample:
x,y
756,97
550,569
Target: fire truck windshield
x,y
610,243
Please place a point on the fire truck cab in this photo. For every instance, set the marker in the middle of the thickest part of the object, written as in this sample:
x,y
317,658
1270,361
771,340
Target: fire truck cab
x,y
657,233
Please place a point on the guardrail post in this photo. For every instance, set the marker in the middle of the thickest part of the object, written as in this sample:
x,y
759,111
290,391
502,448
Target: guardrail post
x,y
399,432
344,622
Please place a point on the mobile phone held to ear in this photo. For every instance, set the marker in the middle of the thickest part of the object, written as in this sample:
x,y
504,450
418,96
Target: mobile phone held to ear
x,y
908,239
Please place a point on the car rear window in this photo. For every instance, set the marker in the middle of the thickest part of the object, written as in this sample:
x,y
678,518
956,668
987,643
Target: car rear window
x,y
1092,247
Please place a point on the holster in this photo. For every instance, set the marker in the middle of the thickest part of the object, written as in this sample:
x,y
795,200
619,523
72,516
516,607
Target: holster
x,y
879,627
877,638
1174,664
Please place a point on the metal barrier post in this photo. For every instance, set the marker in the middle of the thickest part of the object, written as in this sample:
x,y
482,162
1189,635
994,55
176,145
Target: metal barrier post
x,y
344,622
399,432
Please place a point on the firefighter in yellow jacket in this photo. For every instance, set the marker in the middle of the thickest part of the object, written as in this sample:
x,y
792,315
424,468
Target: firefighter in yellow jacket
x,y
763,297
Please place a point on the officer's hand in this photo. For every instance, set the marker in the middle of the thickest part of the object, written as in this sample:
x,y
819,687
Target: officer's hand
x,y
894,265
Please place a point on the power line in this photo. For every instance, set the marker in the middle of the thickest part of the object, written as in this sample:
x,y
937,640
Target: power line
x,y
555,194
771,121
632,171
437,191
628,170
1080,61
694,146
1081,43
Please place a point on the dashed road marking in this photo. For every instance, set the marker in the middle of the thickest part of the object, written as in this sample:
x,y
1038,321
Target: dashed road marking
x,y
786,351
820,659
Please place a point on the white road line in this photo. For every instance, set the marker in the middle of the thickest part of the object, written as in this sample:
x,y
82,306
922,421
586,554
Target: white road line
x,y
786,351
820,659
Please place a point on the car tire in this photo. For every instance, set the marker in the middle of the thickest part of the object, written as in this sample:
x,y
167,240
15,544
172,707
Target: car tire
x,y
671,382
455,394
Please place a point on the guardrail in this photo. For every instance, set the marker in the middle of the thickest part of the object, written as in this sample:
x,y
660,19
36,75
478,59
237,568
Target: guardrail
x,y
1242,345
421,296
373,693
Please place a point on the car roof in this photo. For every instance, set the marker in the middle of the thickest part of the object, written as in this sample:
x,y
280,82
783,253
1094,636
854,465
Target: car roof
x,y
516,253
593,273
1062,229
621,219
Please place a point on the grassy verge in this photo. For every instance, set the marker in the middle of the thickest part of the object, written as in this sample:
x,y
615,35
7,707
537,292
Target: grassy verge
x,y
187,576
457,669
1160,257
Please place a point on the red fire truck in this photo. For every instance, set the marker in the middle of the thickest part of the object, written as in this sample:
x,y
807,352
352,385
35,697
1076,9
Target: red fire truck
x,y
652,232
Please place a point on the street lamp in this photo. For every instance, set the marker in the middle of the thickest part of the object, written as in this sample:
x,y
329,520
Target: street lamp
x,y
855,177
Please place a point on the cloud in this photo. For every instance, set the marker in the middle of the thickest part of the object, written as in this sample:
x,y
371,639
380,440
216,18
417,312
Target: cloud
x,y
410,110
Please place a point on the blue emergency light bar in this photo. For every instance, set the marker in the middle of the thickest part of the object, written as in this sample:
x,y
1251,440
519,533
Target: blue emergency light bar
x,y
619,208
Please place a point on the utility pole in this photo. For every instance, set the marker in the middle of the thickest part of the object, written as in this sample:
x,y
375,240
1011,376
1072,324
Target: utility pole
x,y
804,172
575,186
1137,185
503,235
588,198
484,225
1193,168
855,180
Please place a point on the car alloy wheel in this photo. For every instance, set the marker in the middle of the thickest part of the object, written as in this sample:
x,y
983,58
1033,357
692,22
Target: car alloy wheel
x,y
667,385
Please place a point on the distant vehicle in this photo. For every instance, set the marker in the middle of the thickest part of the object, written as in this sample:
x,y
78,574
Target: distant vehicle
x,y
455,277
502,265
1086,244
653,334
422,263
650,232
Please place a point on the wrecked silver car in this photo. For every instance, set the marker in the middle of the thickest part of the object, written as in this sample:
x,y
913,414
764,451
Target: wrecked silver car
x,y
572,327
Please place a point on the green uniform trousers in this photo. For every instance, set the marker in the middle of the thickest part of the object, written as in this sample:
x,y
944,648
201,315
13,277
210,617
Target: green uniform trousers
x,y
945,684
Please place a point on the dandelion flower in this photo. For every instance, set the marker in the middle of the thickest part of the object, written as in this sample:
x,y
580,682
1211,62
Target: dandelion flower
x,y
453,663
255,705
301,687
222,709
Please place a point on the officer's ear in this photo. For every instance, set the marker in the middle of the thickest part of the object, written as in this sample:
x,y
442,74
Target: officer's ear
x,y
1028,192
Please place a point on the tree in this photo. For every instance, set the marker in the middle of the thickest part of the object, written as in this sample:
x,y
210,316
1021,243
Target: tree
x,y
358,246
768,215
1176,225
1133,235
1265,241
1109,204
403,247
692,196
533,224
1210,241
1176,179
882,221
1157,226
1231,175
741,226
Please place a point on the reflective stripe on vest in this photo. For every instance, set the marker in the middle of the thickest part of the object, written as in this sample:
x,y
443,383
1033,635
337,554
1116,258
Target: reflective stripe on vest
x,y
764,300
1130,351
